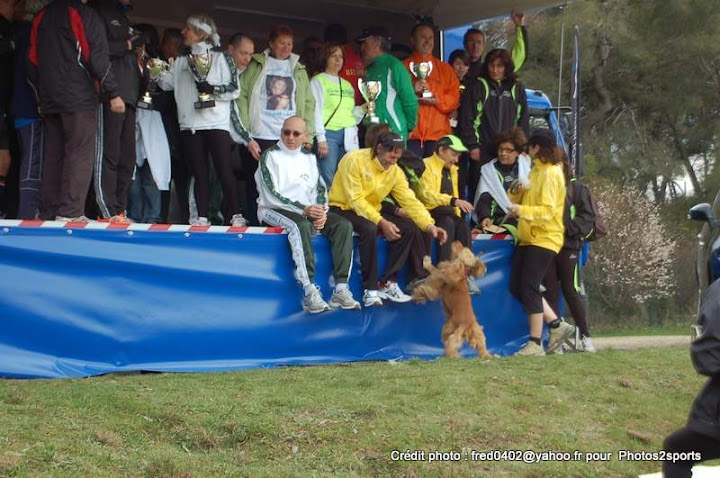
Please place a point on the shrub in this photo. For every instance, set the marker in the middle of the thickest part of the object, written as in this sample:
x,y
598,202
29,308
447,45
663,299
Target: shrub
x,y
633,264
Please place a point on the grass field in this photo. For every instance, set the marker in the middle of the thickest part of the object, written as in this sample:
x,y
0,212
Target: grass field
x,y
346,420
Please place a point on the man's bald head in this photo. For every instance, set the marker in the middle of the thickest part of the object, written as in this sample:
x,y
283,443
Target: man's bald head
x,y
294,132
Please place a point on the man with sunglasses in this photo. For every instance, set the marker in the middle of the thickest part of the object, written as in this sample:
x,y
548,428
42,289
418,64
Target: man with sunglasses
x,y
293,195
364,178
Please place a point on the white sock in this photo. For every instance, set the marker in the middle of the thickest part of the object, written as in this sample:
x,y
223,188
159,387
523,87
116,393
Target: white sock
x,y
341,286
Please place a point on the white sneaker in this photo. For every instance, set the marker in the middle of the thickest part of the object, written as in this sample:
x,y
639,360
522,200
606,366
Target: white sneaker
x,y
201,221
558,335
238,221
371,298
391,291
314,303
343,298
73,219
586,345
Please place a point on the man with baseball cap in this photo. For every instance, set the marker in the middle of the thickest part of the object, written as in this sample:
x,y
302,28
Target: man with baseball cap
x,y
401,113
364,178
438,191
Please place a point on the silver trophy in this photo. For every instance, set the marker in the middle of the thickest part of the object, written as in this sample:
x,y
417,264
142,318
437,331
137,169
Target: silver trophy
x,y
422,72
370,90
154,68
200,64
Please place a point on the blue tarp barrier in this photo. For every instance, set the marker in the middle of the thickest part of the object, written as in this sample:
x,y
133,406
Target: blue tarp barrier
x,y
79,302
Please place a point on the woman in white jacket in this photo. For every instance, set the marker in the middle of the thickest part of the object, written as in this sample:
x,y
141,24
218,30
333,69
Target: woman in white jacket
x,y
204,130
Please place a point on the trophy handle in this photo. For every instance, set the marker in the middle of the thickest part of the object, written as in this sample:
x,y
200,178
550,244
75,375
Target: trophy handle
x,y
430,67
412,68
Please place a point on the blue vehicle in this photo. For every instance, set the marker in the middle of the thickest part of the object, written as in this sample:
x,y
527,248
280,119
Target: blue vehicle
x,y
707,260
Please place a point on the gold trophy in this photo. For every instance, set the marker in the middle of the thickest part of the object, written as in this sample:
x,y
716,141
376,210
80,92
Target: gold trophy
x,y
422,72
154,68
370,90
200,65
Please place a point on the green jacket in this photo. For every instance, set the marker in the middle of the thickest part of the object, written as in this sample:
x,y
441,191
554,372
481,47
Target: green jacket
x,y
397,104
250,93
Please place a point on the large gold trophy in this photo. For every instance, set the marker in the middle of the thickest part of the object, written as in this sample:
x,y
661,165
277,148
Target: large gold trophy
x,y
370,90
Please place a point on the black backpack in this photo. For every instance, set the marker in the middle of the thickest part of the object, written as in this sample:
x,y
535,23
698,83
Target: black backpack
x,y
599,230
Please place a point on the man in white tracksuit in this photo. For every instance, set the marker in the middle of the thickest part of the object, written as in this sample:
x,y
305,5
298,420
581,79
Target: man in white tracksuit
x,y
293,195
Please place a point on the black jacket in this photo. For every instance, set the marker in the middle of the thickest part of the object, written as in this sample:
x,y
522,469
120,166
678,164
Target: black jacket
x,y
502,107
579,215
7,53
705,353
124,62
68,59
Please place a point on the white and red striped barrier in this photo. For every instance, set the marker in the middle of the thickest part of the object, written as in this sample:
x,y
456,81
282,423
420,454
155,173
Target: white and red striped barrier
x,y
110,226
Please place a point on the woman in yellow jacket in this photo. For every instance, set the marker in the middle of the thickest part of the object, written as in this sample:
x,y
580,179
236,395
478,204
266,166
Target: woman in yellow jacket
x,y
540,237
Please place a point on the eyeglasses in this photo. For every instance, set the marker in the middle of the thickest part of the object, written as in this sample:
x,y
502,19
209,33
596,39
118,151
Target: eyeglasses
x,y
288,132
506,150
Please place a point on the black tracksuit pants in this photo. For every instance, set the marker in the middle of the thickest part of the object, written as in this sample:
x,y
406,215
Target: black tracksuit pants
x,y
196,147
563,273
114,176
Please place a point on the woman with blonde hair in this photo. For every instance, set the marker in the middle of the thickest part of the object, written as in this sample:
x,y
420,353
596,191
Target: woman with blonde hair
x,y
205,128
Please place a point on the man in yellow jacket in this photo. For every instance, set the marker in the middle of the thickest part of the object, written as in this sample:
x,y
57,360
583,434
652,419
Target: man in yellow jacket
x,y
364,178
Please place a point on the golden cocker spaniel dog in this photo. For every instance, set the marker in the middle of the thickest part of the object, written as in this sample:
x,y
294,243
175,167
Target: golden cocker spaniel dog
x,y
448,281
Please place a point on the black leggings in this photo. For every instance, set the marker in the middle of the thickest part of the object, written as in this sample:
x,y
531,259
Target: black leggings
x,y
195,148
529,266
563,273
686,440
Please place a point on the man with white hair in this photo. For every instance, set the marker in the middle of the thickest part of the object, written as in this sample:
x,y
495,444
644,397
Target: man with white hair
x,y
293,195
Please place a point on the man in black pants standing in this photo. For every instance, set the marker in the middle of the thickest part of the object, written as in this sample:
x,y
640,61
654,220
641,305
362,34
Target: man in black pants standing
x,y
113,174
701,435
68,61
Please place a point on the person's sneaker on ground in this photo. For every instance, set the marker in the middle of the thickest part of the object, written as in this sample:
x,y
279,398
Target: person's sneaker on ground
x,y
73,219
201,221
238,221
558,335
343,298
472,286
531,349
391,291
371,298
558,351
586,345
313,302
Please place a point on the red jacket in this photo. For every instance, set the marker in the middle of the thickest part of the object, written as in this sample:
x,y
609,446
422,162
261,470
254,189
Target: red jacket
x,y
433,120
352,70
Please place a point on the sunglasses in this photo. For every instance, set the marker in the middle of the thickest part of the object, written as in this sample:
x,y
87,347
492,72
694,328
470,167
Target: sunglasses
x,y
506,150
289,132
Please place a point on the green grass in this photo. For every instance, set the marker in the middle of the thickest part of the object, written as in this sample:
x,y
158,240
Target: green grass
x,y
346,420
